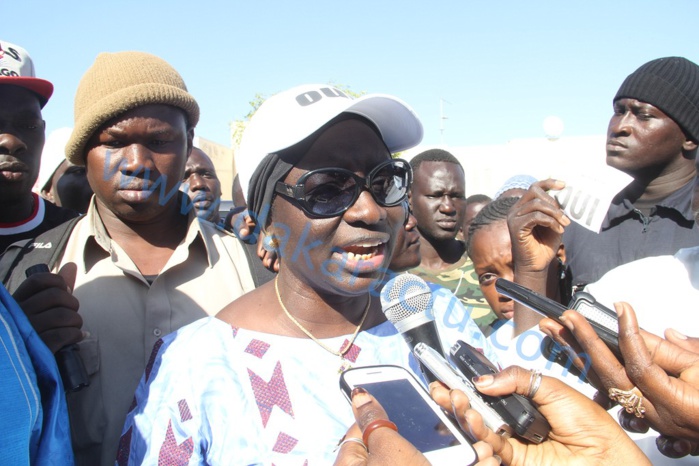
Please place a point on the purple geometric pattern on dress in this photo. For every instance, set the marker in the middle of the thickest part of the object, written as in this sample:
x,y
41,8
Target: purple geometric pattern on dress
x,y
185,414
153,355
257,348
353,352
235,331
124,448
270,394
285,443
172,454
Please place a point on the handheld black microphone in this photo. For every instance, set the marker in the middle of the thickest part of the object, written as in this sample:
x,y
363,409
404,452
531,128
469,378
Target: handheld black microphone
x,y
70,364
407,301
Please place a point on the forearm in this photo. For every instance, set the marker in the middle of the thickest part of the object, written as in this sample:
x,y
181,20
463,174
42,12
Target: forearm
x,y
524,317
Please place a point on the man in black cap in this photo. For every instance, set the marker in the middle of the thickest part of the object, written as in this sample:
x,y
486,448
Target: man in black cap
x,y
653,137
23,214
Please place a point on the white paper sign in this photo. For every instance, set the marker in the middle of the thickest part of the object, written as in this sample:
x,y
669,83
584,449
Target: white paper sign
x,y
589,193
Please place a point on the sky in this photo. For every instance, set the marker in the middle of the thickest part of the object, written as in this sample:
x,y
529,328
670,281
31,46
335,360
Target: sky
x,y
476,73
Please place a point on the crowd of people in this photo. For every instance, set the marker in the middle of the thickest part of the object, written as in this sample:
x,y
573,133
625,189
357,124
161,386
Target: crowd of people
x,y
220,339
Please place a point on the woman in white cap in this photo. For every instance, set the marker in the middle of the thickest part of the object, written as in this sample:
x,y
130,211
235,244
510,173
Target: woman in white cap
x,y
259,383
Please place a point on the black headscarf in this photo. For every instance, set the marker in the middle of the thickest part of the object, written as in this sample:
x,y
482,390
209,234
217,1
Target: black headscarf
x,y
271,169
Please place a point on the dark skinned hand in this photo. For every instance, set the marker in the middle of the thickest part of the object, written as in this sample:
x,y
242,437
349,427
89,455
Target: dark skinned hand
x,y
244,228
536,223
666,371
582,433
386,446
47,301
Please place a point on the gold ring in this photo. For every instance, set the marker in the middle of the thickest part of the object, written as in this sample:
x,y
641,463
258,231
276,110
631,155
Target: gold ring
x,y
631,400
534,383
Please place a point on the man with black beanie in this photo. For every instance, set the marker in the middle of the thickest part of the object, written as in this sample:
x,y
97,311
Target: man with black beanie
x,y
652,136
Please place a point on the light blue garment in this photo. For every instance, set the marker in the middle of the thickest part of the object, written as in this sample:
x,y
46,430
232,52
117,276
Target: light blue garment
x,y
215,394
34,418
220,395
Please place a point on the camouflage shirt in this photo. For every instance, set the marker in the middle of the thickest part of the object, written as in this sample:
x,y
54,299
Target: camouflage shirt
x,y
462,280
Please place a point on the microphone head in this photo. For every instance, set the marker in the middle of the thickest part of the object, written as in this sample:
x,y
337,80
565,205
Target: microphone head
x,y
407,301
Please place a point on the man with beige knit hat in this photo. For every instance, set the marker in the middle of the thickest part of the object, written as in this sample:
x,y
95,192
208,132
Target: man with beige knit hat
x,y
144,268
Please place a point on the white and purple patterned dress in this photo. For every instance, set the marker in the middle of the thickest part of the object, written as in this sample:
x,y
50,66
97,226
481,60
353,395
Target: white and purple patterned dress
x,y
215,394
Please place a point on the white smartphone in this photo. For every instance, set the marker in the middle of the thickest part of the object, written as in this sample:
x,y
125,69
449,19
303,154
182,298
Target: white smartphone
x,y
419,419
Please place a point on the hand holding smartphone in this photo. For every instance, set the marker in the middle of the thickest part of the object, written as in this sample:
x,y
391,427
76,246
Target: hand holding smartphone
x,y
419,419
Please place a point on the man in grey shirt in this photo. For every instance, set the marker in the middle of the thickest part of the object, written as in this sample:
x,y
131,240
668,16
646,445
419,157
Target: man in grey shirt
x,y
652,136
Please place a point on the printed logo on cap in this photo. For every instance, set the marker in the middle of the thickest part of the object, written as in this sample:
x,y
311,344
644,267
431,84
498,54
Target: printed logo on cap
x,y
12,53
311,97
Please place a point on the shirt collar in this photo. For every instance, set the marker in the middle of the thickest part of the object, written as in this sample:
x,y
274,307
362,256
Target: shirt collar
x,y
195,238
680,200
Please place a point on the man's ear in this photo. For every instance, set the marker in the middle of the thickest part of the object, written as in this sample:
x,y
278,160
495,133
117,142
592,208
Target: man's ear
x,y
190,141
48,195
561,254
689,145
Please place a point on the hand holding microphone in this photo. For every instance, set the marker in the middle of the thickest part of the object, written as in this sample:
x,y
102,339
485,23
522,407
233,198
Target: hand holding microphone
x,y
52,310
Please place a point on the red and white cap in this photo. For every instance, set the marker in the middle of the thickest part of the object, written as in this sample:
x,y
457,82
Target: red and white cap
x,y
17,68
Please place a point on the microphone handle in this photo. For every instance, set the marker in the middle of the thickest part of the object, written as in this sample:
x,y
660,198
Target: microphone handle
x,y
70,364
426,333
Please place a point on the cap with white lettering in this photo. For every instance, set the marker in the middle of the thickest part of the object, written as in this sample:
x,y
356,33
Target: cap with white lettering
x,y
17,68
291,116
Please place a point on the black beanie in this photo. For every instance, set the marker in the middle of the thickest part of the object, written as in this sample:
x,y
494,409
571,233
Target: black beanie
x,y
672,85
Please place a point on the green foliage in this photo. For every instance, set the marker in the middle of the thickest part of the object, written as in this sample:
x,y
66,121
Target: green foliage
x,y
347,90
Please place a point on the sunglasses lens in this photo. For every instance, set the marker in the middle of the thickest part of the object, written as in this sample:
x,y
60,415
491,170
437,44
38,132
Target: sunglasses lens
x,y
329,193
389,184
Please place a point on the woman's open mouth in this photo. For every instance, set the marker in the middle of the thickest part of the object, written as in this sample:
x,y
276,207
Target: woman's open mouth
x,y
368,254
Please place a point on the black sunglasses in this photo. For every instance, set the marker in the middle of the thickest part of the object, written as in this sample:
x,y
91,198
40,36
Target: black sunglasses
x,y
328,192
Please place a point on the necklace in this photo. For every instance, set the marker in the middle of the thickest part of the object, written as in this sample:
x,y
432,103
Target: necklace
x,y
344,348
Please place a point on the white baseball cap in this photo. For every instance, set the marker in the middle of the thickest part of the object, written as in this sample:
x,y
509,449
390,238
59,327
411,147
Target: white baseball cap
x,y
17,68
291,116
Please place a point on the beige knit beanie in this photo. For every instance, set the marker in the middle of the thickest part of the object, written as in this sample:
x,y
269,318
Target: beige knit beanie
x,y
118,82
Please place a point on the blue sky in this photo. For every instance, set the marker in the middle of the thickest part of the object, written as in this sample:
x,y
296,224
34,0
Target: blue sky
x,y
502,66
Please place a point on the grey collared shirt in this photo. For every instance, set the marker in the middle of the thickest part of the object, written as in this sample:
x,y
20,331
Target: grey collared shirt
x,y
125,316
628,235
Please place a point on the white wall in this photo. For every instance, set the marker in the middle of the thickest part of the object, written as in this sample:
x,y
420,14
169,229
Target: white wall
x,y
488,167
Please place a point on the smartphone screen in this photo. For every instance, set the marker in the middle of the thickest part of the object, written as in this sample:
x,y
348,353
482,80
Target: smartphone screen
x,y
418,418
406,408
